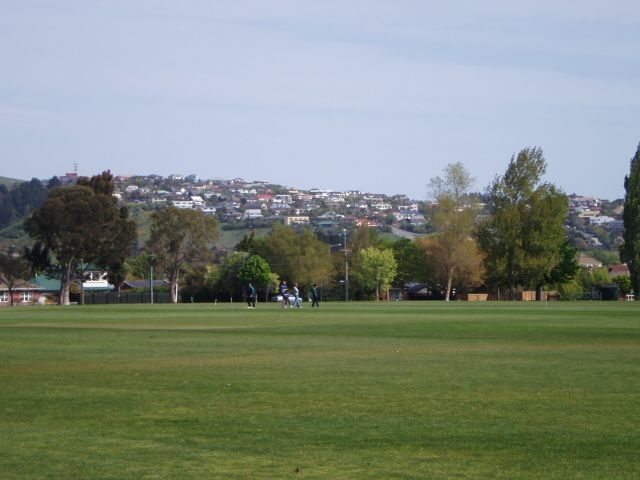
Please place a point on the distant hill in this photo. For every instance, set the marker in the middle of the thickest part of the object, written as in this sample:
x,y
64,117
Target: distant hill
x,y
9,182
15,235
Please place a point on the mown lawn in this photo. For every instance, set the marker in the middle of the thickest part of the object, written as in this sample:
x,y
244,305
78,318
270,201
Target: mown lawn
x,y
364,390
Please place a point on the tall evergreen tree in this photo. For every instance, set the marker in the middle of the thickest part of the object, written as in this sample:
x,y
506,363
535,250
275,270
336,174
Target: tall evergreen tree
x,y
630,250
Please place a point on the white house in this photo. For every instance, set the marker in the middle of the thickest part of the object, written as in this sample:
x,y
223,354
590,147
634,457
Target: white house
x,y
197,201
283,199
251,213
183,204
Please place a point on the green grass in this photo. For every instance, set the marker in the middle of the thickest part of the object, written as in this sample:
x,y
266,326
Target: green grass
x,y
384,391
230,238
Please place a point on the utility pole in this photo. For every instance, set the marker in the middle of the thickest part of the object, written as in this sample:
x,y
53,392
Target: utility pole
x,y
346,267
151,276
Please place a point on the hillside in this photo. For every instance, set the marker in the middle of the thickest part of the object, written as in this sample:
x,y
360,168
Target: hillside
x,y
9,182
14,234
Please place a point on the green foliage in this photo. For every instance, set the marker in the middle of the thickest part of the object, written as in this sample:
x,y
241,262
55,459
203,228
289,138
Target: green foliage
x,y
178,237
296,255
255,269
572,290
20,200
139,266
117,246
411,262
630,250
376,269
247,244
567,266
624,284
588,278
523,240
607,257
454,219
38,258
102,183
230,285
80,224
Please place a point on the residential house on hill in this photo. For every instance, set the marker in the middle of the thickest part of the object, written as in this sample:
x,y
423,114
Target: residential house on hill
x,y
619,270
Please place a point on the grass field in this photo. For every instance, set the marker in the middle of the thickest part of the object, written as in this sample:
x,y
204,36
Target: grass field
x,y
357,391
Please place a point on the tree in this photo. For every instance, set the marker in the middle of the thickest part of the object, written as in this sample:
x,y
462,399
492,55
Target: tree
x,y
376,269
13,268
522,241
296,255
247,243
76,224
411,260
468,271
255,269
624,284
227,282
453,217
630,250
22,199
568,266
179,236
117,247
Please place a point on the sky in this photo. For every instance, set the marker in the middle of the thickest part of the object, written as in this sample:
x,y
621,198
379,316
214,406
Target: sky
x,y
376,95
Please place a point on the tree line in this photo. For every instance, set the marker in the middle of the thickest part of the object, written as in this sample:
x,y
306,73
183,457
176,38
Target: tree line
x,y
23,198
521,243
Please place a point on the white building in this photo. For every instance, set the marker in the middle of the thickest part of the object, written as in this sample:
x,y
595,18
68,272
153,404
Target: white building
x,y
251,213
183,204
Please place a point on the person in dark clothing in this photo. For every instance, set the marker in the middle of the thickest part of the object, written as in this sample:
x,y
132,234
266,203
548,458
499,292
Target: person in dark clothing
x,y
315,296
284,291
251,296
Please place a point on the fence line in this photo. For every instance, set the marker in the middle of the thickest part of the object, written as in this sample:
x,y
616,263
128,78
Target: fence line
x,y
104,298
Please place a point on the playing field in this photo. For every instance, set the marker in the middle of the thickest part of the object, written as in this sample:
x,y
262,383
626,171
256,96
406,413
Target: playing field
x,y
383,391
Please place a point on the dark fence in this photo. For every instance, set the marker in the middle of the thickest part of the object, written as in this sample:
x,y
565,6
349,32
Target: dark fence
x,y
104,298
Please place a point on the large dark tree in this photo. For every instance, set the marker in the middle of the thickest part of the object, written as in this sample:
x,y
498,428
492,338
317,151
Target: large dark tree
x,y
81,224
523,240
630,250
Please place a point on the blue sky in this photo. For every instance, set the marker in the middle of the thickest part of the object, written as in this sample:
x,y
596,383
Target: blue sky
x,y
372,95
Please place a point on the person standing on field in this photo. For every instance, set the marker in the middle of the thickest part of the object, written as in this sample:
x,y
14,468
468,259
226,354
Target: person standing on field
x,y
284,291
296,296
315,296
251,296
